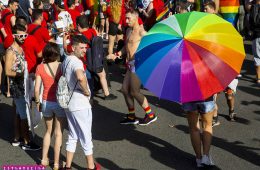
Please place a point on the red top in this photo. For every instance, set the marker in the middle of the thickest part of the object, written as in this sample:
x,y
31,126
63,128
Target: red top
x,y
49,84
79,8
8,41
31,48
45,19
1,35
89,33
7,23
42,34
74,14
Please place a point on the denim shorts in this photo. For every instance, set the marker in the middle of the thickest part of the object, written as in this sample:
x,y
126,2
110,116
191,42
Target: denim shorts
x,y
21,107
50,109
200,106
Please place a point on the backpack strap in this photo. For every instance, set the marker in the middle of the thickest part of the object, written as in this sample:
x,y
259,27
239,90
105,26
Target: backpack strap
x,y
4,16
35,29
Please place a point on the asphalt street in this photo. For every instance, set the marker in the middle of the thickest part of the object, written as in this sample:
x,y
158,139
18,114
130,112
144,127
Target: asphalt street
x,y
163,145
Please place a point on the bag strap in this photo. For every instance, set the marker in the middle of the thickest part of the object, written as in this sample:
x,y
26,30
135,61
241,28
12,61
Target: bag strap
x,y
72,92
4,16
34,30
52,74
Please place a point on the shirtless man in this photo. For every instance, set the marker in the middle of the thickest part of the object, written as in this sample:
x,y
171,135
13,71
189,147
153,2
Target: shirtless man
x,y
131,84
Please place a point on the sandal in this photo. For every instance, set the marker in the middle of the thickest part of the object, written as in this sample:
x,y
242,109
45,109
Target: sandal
x,y
45,162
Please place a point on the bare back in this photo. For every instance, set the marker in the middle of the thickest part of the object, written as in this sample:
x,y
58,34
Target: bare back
x,y
134,37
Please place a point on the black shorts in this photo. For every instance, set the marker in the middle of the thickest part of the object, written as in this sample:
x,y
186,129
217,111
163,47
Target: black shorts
x,y
2,51
113,29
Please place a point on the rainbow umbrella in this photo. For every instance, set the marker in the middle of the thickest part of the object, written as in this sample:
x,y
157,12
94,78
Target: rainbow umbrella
x,y
189,57
229,10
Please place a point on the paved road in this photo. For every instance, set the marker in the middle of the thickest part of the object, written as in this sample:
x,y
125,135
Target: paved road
x,y
163,145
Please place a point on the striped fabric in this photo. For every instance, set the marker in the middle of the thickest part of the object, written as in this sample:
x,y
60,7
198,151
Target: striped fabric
x,y
229,10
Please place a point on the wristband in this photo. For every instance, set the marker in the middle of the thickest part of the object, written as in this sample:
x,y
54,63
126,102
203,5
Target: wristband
x,y
117,54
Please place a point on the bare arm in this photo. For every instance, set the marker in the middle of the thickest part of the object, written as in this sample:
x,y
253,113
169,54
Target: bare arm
x,y
217,6
149,11
4,32
82,82
13,18
37,91
9,60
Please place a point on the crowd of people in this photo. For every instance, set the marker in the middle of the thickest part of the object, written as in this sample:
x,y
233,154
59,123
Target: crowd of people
x,y
42,40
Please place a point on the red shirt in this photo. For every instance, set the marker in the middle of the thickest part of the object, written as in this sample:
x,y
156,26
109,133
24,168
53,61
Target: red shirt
x,y
7,23
45,19
8,41
1,35
41,35
74,14
90,33
31,48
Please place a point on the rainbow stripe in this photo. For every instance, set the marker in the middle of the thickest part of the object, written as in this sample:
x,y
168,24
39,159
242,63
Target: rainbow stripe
x,y
229,10
163,14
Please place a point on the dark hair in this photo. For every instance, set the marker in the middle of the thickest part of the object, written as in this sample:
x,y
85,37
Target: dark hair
x,y
36,14
133,11
82,21
51,52
210,4
76,39
10,2
18,27
21,20
59,3
70,3
37,3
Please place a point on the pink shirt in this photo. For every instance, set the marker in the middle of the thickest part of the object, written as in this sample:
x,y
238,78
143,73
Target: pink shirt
x,y
49,84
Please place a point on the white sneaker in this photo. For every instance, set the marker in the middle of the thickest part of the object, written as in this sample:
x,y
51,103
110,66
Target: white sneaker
x,y
207,160
198,161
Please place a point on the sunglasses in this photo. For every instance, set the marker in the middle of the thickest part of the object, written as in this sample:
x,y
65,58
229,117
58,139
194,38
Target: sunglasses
x,y
21,35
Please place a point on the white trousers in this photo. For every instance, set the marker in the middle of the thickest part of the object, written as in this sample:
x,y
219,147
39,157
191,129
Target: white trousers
x,y
80,123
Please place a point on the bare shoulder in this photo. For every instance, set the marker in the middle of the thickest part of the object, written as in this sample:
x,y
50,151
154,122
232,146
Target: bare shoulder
x,y
142,32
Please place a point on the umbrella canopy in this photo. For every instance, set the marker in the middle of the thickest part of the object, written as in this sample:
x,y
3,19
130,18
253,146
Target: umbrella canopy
x,y
229,10
189,57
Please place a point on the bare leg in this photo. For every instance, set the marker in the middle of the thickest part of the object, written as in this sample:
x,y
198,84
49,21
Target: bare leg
x,y
8,94
103,82
126,90
107,27
59,127
258,74
69,158
230,101
111,41
193,121
207,131
47,140
135,86
101,27
90,161
119,37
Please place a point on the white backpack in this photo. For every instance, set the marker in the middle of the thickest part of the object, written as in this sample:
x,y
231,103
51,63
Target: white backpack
x,y
63,93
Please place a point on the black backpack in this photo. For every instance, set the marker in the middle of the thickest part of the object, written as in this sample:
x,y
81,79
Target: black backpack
x,y
255,16
95,54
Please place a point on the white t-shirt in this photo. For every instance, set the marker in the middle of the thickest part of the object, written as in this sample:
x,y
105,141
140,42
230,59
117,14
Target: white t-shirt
x,y
78,100
65,17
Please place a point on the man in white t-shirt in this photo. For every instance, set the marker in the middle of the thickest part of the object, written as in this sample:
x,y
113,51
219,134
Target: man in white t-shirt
x,y
79,113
